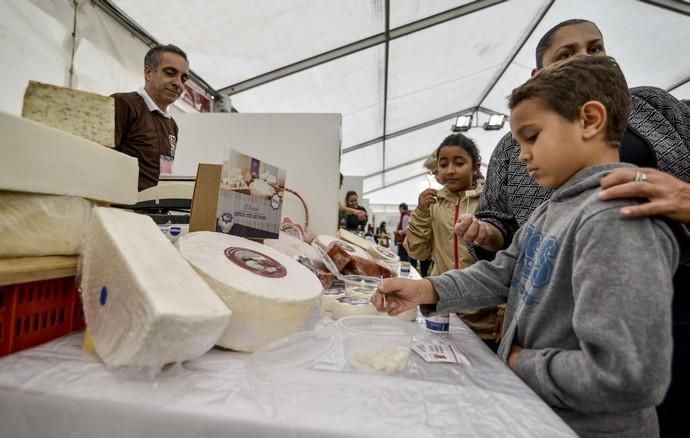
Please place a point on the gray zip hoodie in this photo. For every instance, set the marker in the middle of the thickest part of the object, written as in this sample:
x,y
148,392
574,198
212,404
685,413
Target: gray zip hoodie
x,y
590,293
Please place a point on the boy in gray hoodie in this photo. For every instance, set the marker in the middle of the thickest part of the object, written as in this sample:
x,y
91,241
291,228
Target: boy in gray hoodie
x,y
588,318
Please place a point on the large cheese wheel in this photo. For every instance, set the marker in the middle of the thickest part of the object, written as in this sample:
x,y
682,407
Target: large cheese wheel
x,y
144,305
271,295
38,225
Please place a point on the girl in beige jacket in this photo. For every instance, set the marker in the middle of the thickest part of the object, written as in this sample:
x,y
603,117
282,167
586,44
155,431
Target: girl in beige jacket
x,y
430,233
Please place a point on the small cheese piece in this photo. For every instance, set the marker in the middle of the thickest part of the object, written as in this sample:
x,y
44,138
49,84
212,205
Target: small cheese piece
x,y
40,225
39,159
351,237
87,115
144,305
270,294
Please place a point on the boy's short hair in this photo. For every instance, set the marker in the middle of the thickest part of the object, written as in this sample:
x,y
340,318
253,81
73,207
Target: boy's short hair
x,y
565,86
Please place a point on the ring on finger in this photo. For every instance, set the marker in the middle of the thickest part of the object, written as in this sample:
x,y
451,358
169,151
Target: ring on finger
x,y
640,177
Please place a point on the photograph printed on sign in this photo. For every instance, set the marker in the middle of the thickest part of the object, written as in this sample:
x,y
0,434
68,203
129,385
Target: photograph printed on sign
x,y
250,198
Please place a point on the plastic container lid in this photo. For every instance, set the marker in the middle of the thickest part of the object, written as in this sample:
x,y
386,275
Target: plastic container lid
x,y
360,285
297,350
376,326
332,268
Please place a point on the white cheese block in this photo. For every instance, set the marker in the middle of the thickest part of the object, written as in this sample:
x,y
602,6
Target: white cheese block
x,y
167,190
324,242
87,115
382,253
144,305
39,159
351,237
40,225
270,294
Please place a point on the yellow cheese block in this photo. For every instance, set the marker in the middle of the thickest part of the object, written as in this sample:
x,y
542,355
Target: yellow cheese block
x,y
87,115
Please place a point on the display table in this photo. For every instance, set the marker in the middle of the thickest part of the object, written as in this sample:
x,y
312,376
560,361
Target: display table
x,y
58,390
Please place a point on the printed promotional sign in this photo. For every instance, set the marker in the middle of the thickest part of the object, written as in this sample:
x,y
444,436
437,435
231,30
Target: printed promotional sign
x,y
250,198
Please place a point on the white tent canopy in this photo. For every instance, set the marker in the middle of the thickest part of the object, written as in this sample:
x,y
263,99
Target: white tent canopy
x,y
399,71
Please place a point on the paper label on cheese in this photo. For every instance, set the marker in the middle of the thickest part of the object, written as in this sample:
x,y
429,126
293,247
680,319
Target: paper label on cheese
x,y
255,262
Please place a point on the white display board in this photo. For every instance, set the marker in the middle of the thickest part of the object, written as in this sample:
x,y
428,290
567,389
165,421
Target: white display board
x,y
307,146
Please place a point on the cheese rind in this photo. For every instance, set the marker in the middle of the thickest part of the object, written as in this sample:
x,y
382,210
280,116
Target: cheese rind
x,y
266,305
87,115
40,159
40,225
144,305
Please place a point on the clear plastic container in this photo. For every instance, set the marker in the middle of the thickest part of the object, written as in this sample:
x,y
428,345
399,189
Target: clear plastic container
x,y
299,350
377,343
360,286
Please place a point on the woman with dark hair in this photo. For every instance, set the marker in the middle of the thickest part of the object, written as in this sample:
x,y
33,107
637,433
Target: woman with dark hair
x,y
355,222
657,136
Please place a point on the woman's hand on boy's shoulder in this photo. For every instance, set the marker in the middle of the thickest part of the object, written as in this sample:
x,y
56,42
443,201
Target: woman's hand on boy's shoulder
x,y
667,195
479,233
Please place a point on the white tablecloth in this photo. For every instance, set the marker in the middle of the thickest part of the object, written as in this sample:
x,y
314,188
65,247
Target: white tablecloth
x,y
57,390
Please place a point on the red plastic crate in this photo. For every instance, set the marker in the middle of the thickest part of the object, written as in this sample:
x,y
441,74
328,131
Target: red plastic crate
x,y
37,312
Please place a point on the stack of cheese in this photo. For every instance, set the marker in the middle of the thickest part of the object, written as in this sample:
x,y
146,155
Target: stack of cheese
x,y
270,294
47,172
144,305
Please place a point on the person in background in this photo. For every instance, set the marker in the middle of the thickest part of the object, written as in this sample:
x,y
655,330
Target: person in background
x,y
344,210
370,232
143,127
355,222
401,232
430,232
382,237
588,318
657,135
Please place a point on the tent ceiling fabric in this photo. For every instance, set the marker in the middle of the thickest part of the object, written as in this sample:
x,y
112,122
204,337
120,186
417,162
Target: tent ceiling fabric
x,y
432,73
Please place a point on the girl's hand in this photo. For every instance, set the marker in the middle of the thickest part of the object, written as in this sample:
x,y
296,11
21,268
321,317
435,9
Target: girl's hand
x,y
478,233
426,198
403,294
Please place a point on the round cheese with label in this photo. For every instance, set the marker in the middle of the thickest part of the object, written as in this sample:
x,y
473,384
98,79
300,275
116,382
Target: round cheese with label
x,y
270,294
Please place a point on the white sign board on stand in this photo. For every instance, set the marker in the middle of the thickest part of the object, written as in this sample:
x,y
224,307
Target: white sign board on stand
x,y
307,146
